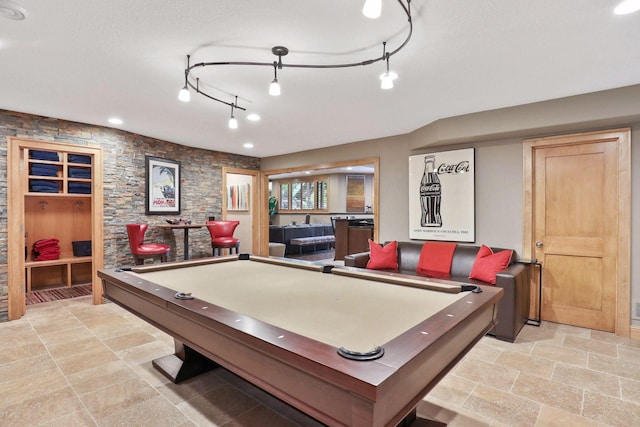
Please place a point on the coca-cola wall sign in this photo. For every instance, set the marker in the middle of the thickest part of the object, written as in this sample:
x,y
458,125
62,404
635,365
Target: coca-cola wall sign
x,y
442,196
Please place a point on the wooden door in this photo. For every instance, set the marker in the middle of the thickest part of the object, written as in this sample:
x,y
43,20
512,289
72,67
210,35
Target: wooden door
x,y
577,209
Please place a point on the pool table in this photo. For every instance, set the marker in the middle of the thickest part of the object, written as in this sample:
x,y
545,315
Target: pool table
x,y
342,345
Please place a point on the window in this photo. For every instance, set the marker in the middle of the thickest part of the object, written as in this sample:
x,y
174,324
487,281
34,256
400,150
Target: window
x,y
323,195
308,195
304,194
296,196
284,196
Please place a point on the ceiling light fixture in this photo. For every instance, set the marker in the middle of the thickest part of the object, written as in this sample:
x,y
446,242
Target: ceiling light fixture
x,y
184,95
233,123
274,87
280,51
627,6
387,78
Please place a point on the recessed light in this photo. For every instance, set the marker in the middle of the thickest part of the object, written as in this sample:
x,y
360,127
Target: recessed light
x,y
115,121
253,117
11,10
626,7
248,145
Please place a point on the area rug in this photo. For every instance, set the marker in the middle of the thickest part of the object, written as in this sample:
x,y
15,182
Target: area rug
x,y
56,294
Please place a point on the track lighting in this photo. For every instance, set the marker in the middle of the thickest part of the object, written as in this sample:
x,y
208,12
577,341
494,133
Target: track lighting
x,y
371,9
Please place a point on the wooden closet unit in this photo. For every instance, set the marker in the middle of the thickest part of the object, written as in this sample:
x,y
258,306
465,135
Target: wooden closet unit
x,y
55,192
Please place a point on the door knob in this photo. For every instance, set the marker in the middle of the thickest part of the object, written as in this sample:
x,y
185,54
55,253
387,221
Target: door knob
x,y
539,244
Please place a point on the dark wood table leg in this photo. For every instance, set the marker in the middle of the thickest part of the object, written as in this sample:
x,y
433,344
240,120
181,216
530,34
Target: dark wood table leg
x,y
186,244
184,364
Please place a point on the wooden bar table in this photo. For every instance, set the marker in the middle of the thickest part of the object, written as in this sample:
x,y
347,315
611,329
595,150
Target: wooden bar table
x,y
186,228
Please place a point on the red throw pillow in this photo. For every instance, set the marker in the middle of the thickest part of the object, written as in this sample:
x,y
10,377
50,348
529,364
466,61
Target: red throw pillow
x,y
435,259
382,257
487,264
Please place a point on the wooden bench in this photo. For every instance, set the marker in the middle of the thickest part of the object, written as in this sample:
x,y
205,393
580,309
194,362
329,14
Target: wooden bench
x,y
63,265
313,240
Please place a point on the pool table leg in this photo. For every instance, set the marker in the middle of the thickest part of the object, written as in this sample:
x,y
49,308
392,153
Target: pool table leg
x,y
184,364
409,419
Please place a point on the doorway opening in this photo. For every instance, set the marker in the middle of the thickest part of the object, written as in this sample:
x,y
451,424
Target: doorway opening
x,y
280,184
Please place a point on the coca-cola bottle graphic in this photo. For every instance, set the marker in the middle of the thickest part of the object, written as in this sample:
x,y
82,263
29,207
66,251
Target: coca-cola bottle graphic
x,y
430,194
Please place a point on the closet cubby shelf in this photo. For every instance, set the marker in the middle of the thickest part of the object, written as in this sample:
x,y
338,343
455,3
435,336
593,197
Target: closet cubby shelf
x,y
58,205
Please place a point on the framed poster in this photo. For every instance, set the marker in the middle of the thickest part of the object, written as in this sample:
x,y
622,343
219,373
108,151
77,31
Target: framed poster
x,y
163,186
442,196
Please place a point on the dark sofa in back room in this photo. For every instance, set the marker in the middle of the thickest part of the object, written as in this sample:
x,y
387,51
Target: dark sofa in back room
x,y
284,234
513,308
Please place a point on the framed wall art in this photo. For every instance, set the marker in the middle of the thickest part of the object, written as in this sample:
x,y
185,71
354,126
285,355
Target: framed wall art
x,y
162,186
355,193
442,196
238,197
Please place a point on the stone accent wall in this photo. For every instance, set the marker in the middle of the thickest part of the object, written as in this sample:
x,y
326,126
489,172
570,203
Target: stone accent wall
x,y
124,184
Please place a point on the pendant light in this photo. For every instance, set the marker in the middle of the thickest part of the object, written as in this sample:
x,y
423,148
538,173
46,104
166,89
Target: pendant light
x,y
387,78
233,123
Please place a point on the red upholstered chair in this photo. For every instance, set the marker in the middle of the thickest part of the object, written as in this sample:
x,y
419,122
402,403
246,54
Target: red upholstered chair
x,y
222,236
141,250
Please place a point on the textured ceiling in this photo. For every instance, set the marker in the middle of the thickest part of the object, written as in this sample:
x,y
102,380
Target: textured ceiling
x,y
89,60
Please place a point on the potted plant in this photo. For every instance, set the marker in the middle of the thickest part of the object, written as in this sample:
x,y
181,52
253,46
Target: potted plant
x,y
273,207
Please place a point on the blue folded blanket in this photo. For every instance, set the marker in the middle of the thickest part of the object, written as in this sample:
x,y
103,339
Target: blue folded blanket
x,y
38,189
79,188
80,158
44,155
44,170
43,183
41,186
80,173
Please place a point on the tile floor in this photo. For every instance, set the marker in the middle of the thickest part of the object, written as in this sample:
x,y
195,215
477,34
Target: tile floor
x,y
69,363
